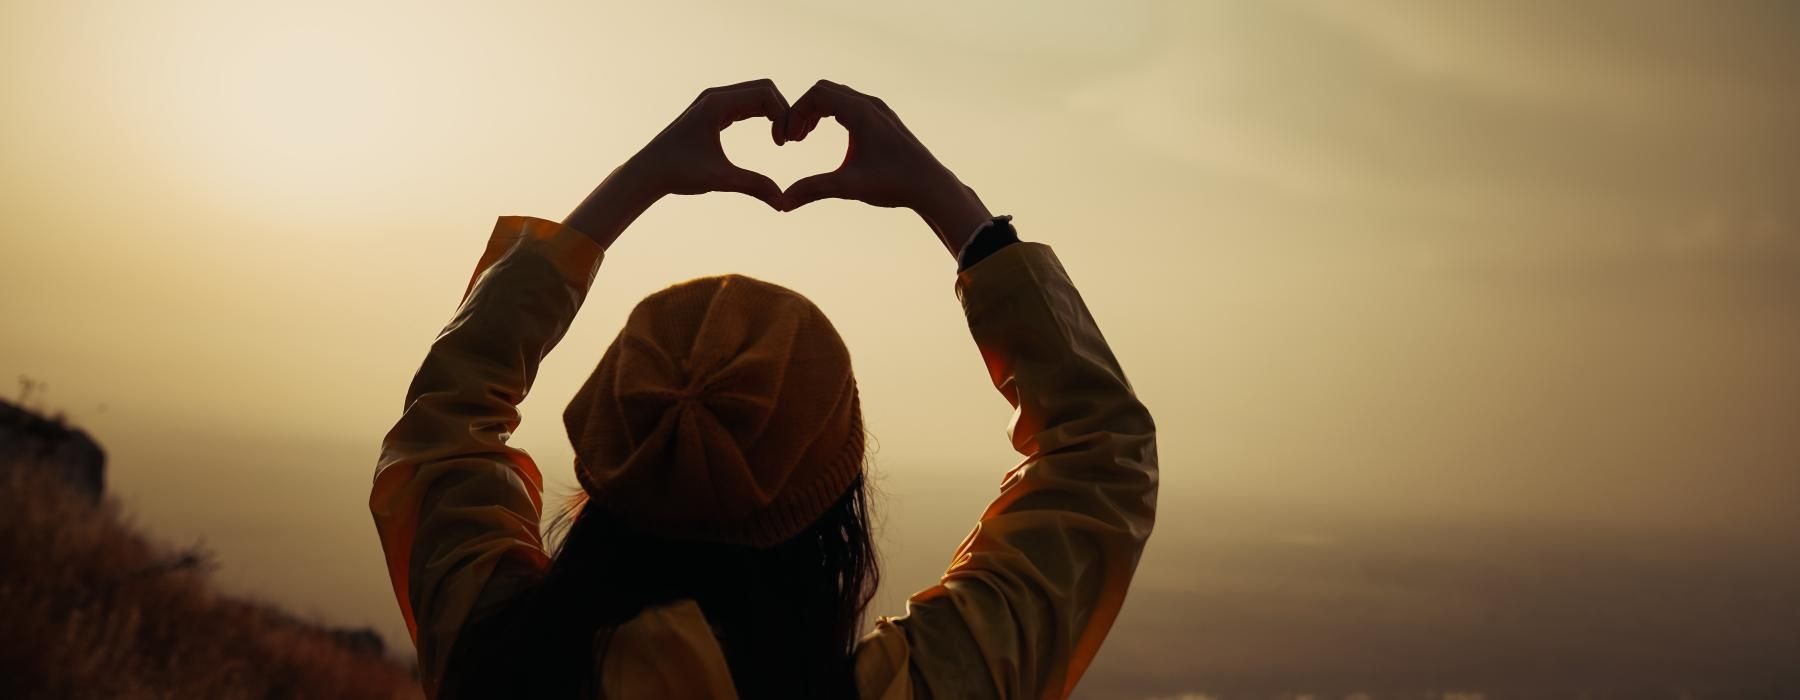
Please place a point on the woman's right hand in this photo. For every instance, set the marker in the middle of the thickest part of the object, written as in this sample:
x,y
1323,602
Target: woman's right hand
x,y
885,165
685,158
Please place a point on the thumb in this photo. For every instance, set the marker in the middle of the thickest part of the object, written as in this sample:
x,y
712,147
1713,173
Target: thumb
x,y
813,188
754,184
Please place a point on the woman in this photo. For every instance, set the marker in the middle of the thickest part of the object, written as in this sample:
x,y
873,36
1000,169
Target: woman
x,y
723,548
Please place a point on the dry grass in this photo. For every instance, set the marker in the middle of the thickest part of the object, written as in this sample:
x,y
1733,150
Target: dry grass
x,y
91,608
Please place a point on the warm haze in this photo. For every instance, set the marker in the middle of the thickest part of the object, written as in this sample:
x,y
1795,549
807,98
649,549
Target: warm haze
x,y
1460,321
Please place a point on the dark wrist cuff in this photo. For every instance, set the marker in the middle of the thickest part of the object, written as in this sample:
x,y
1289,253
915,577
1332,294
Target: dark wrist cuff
x,y
997,233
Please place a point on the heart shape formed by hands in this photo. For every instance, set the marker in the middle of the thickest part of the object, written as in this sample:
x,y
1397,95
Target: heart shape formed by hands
x,y
883,163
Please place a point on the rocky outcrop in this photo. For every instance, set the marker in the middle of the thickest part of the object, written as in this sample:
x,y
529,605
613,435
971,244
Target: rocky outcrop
x,y
31,441
92,607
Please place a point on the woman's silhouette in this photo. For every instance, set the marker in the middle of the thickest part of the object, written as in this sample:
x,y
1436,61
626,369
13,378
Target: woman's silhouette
x,y
723,546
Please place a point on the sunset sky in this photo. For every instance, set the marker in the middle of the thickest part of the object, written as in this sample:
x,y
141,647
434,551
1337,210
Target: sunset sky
x,y
1521,267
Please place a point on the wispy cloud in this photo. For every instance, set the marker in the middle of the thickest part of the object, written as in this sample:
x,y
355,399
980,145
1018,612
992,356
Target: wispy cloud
x,y
1659,127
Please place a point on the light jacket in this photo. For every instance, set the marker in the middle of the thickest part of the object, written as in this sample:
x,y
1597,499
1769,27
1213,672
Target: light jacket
x,y
1027,599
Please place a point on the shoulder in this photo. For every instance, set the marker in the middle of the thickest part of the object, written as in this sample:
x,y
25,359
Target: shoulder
x,y
882,663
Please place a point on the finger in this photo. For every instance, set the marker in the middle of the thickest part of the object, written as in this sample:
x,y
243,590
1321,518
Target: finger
x,y
821,100
804,114
880,106
812,188
757,98
754,184
826,99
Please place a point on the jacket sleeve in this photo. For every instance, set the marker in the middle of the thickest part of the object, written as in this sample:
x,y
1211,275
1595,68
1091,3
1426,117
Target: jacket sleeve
x,y
457,509
1033,590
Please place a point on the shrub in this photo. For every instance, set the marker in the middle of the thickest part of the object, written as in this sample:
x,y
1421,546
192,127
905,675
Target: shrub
x,y
91,608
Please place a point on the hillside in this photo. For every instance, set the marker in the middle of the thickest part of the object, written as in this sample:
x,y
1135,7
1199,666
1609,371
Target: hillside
x,y
95,608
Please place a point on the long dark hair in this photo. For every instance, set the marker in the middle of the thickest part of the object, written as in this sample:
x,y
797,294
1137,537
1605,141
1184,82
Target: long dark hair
x,y
788,617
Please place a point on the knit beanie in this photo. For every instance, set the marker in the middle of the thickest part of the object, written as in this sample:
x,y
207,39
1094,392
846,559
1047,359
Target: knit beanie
x,y
724,411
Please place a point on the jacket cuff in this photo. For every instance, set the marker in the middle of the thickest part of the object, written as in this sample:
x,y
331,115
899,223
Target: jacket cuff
x,y
574,255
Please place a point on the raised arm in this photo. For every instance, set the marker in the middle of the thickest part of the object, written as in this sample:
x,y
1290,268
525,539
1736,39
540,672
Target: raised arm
x,y
456,507
1033,590
454,504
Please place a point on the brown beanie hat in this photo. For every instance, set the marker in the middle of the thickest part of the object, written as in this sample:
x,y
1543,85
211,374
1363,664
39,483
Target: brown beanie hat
x,y
725,411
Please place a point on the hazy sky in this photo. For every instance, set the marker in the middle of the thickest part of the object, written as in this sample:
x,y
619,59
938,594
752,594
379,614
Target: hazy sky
x,y
1526,262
